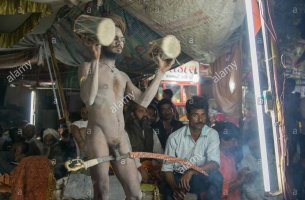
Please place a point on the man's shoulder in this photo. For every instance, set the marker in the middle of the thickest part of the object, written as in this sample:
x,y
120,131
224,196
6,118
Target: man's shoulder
x,y
178,133
157,124
123,74
210,131
177,123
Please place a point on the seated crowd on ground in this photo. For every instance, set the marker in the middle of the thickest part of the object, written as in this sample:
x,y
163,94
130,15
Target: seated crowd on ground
x,y
218,150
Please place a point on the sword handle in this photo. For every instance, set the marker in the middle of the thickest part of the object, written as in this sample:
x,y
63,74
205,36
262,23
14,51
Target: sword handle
x,y
74,165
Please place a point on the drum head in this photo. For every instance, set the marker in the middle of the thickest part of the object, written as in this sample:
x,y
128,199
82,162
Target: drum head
x,y
171,46
105,32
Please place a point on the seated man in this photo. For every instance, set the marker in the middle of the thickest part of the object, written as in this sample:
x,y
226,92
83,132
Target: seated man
x,y
54,151
198,144
167,123
168,94
232,181
30,134
142,137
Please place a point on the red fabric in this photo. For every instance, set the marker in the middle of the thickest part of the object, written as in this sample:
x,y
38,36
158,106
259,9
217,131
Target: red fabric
x,y
33,179
256,16
229,173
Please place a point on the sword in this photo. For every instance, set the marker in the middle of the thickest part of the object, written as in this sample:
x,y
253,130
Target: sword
x,y
78,164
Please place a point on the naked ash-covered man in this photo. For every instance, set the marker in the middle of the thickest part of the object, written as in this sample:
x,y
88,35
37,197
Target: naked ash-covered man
x,y
101,85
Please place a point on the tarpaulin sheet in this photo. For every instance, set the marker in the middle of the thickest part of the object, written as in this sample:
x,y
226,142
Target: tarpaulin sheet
x,y
204,27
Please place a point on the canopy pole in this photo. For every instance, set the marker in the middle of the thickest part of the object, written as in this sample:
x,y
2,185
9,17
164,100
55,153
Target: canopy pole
x,y
58,80
51,77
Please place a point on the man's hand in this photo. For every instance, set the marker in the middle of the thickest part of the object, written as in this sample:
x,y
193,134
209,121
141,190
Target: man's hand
x,y
185,180
179,194
165,65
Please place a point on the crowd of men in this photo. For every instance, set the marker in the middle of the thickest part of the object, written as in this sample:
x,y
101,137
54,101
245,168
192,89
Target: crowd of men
x,y
228,155
217,150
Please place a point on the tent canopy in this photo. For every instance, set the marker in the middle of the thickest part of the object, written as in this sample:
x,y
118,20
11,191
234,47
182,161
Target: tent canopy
x,y
205,28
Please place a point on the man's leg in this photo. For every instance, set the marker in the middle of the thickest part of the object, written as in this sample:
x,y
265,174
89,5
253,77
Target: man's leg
x,y
96,146
127,172
211,184
215,180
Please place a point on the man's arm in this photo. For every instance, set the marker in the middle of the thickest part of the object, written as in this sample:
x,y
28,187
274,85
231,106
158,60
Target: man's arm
x,y
212,152
144,98
88,77
211,165
168,168
170,179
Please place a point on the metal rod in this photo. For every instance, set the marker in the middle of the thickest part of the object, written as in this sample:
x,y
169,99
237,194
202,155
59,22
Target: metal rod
x,y
51,77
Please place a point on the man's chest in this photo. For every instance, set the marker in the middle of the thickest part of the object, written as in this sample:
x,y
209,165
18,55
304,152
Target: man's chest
x,y
111,81
191,150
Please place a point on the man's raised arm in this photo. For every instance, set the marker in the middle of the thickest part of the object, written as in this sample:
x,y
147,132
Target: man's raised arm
x,y
88,77
144,98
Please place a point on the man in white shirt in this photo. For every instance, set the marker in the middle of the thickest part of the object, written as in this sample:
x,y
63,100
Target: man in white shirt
x,y
198,144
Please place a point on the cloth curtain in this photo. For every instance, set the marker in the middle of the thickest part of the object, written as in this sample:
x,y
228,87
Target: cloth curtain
x,y
9,7
227,88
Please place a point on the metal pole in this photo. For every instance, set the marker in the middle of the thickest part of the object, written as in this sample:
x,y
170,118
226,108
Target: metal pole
x,y
269,70
51,77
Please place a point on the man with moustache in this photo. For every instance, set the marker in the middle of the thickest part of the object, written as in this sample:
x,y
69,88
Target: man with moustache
x,y
143,139
199,141
101,85
167,123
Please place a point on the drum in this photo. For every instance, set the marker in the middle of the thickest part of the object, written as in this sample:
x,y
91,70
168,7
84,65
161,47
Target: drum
x,y
150,192
97,29
168,47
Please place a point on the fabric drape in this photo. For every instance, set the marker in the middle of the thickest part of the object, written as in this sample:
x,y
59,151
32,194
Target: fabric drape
x,y
227,88
33,179
9,7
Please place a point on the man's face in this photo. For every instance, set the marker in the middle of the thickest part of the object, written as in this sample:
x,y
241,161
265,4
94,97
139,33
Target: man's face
x,y
116,47
166,112
49,140
152,114
197,118
29,132
141,115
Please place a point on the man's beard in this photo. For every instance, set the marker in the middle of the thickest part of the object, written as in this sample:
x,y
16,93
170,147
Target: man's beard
x,y
144,122
108,54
